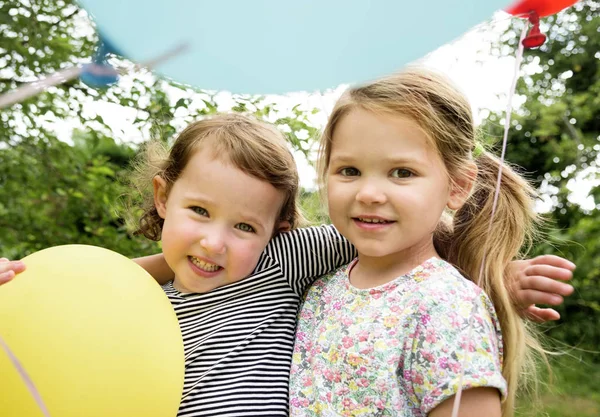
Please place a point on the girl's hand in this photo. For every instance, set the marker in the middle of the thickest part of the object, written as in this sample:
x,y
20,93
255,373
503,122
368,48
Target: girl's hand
x,y
538,281
9,269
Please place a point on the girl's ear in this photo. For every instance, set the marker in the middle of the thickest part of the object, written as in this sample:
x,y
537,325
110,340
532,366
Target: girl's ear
x,y
283,226
160,195
461,188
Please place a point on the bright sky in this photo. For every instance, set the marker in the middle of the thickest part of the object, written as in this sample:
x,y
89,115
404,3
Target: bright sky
x,y
468,61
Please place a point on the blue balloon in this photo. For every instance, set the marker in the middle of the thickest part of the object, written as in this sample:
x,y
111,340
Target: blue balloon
x,y
275,46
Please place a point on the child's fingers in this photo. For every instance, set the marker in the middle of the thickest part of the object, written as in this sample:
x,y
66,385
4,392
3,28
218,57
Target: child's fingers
x,y
553,260
15,266
6,276
528,297
545,284
541,315
549,271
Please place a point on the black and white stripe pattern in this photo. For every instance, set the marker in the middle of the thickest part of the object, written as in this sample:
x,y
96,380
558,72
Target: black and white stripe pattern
x,y
239,338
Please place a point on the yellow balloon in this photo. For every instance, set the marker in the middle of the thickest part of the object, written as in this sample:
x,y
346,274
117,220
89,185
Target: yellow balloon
x,y
96,335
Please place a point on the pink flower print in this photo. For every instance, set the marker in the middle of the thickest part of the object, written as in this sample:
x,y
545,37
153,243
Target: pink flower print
x,y
428,356
379,404
306,381
337,377
342,391
443,362
299,402
363,336
329,375
425,318
366,350
395,308
347,403
347,342
375,294
431,337
418,379
454,366
361,371
468,345
337,305
301,336
362,382
382,385
347,321
427,401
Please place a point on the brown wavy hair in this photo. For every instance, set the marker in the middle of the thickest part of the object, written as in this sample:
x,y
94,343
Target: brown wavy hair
x,y
256,148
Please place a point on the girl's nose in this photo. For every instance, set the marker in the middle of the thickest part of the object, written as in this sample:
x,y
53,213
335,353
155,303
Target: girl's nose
x,y
214,244
371,193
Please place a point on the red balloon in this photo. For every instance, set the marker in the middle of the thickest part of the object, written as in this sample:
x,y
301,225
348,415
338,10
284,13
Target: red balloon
x,y
543,8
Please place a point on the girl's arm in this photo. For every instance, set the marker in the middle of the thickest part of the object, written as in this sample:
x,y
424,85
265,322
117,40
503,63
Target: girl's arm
x,y
472,402
306,254
156,266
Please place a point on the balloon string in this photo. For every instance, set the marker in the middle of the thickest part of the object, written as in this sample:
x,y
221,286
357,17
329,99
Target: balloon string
x,y
35,87
511,93
60,77
25,377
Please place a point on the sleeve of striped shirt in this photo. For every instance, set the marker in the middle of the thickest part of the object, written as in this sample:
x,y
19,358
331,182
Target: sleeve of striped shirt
x,y
306,254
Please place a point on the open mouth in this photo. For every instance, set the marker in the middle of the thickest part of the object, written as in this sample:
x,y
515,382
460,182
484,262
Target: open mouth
x,y
372,221
203,265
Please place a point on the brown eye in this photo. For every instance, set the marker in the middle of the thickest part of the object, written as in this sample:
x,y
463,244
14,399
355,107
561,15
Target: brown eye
x,y
349,172
401,173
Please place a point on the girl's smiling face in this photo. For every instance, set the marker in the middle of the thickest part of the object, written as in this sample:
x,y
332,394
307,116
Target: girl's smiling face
x,y
387,187
217,221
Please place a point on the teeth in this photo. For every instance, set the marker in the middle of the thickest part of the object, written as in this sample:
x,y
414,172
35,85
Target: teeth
x,y
204,265
373,220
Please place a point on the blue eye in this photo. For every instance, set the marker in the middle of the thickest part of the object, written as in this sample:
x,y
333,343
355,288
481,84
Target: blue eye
x,y
349,172
401,173
245,227
199,210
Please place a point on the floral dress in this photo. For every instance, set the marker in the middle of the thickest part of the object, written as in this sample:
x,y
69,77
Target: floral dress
x,y
393,350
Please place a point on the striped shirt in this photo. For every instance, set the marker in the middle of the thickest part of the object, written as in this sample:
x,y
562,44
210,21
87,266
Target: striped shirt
x,y
238,339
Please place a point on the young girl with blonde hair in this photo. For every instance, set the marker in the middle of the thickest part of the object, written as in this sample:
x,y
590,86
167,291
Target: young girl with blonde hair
x,y
424,309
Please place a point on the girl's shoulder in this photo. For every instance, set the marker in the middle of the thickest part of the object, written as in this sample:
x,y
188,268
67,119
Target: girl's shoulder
x,y
325,231
439,282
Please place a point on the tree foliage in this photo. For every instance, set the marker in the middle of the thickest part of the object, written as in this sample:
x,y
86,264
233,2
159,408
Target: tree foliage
x,y
555,137
54,191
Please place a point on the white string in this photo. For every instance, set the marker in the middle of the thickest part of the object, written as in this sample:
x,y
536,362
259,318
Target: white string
x,y
60,77
36,87
26,379
511,93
